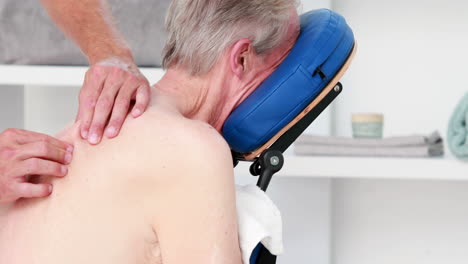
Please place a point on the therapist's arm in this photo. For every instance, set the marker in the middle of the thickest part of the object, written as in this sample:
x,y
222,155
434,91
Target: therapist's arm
x,y
113,79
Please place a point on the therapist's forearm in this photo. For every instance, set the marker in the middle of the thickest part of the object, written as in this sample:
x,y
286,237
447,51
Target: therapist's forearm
x,y
89,24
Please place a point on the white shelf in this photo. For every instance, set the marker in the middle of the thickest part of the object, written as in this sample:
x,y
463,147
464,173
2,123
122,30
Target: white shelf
x,y
56,75
310,167
371,168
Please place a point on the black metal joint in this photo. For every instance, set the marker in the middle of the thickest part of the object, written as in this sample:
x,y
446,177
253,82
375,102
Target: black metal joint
x,y
271,161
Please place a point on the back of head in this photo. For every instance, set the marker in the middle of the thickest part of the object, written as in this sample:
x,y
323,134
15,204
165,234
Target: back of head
x,y
199,31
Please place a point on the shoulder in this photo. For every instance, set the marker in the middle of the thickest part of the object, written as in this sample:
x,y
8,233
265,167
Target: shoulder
x,y
205,145
206,138
182,143
181,132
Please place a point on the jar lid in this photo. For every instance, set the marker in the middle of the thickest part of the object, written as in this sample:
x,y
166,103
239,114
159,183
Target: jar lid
x,y
367,117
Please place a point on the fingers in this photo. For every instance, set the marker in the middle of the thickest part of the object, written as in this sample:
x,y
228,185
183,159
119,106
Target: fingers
x,y
142,100
104,106
37,166
25,137
30,190
45,151
119,113
89,96
106,95
24,154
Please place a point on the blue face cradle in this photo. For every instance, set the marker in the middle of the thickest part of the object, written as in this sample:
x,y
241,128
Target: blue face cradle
x,y
323,46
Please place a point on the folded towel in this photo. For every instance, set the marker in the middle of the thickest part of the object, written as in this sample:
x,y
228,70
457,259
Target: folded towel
x,y
415,140
407,146
457,134
331,150
259,220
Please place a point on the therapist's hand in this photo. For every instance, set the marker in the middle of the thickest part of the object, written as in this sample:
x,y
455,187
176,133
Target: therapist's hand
x,y
23,154
109,88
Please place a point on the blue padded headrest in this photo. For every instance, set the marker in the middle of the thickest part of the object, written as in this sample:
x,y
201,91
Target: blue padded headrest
x,y
325,42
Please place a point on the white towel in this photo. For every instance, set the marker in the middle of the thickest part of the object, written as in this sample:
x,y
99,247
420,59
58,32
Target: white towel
x,y
259,221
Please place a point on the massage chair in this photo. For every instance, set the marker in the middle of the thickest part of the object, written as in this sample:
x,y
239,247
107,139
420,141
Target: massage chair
x,y
261,128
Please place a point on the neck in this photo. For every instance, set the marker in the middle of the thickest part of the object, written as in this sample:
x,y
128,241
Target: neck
x,y
205,98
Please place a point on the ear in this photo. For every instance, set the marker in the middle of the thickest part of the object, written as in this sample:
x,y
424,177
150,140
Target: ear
x,y
239,56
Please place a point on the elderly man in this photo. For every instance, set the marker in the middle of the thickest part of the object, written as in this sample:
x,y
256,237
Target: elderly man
x,y
163,191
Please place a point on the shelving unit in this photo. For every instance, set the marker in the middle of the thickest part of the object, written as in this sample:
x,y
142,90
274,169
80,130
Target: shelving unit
x,y
295,166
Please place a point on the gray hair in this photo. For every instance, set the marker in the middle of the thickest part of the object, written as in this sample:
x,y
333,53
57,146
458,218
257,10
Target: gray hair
x,y
199,31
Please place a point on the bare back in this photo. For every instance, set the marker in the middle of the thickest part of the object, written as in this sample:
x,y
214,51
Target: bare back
x,y
161,192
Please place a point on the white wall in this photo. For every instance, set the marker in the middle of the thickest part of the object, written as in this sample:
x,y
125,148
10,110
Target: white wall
x,y
11,107
308,5
404,222
48,109
410,65
305,206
